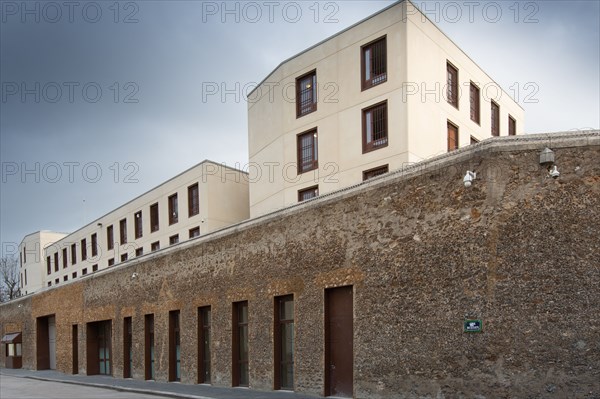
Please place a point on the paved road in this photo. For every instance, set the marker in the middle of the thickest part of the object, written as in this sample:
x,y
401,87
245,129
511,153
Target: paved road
x,y
25,388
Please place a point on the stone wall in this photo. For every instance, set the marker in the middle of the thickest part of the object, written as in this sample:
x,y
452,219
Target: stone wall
x,y
518,249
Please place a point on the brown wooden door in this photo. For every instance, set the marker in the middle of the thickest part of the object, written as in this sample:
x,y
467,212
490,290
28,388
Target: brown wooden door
x,y
339,357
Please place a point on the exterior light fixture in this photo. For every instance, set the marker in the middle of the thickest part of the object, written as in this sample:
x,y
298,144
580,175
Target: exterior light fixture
x,y
469,177
546,156
554,173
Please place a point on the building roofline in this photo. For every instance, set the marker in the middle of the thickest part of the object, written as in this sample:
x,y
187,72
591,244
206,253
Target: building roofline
x,y
148,191
366,19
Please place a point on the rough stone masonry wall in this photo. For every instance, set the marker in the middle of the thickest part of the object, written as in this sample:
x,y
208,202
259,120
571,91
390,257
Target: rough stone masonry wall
x,y
518,249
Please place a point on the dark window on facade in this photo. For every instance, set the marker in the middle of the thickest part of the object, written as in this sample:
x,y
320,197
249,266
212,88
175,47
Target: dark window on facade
x,y
374,63
308,193
124,258
495,119
111,262
173,209
123,231
48,265
73,254
154,218
94,268
24,253
65,278
56,264
240,344
474,103
193,200
174,346
452,85
374,127
94,244
149,346
380,170
74,275
127,347
452,137
195,232
138,224
174,239
49,283
84,271
307,151
306,94
204,321
26,277
284,342
139,251
474,140
83,250
512,126
110,237
155,246
56,281
64,256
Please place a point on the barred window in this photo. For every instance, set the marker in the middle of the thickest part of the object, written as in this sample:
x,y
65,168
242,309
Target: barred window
x,y
375,126
374,63
306,94
380,170
308,193
452,85
307,151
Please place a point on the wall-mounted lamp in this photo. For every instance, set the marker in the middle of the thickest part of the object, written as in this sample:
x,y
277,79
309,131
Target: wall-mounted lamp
x,y
554,173
469,177
134,275
546,156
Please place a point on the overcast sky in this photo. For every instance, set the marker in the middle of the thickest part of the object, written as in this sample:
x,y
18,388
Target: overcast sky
x,y
102,101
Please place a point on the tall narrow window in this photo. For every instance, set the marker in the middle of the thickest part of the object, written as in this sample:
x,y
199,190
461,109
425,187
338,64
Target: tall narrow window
x,y
307,151
56,265
83,250
308,193
284,342
149,347
375,127
73,254
173,209
127,347
193,200
110,237
240,344
204,316
474,102
306,94
380,170
495,119
123,231
374,63
94,244
154,217
452,137
48,265
512,126
138,224
174,347
452,84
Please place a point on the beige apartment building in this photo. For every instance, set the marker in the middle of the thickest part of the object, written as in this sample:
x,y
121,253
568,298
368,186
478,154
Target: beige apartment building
x,y
204,198
389,91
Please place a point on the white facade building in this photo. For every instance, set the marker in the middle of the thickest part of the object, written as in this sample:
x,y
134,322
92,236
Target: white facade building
x,y
391,90
205,198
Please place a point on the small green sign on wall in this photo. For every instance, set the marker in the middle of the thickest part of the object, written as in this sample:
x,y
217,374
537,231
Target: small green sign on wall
x,y
473,326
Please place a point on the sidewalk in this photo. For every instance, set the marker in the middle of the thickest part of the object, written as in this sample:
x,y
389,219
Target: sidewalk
x,y
170,389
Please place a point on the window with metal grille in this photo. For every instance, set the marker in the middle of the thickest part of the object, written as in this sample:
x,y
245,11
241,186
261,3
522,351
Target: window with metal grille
x,y
495,119
173,209
137,220
452,136
110,238
512,126
307,151
193,200
308,193
474,102
374,63
452,84
380,170
123,231
375,127
306,94
154,217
